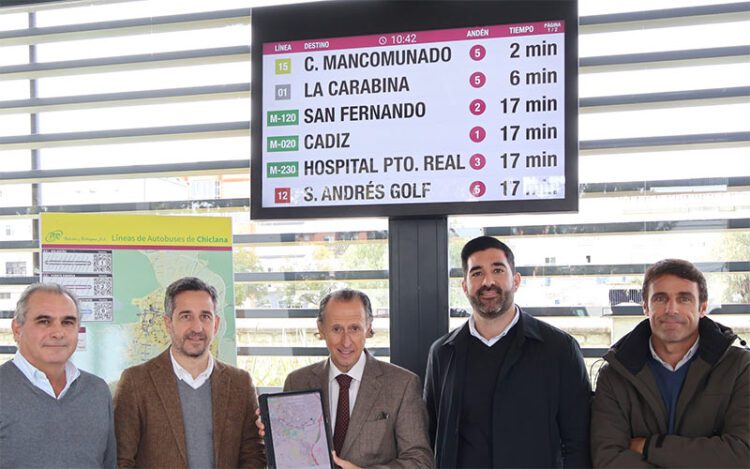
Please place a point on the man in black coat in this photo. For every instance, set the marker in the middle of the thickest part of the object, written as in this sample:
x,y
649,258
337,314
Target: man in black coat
x,y
505,389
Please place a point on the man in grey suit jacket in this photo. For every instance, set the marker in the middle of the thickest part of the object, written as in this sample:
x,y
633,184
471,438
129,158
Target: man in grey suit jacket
x,y
388,419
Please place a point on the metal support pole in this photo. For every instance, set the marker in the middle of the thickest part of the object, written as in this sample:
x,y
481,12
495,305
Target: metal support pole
x,y
418,280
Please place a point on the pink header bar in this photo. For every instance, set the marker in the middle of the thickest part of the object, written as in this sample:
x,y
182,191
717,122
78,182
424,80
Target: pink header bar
x,y
416,37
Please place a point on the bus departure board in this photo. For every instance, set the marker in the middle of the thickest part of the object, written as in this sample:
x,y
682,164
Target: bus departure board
x,y
456,118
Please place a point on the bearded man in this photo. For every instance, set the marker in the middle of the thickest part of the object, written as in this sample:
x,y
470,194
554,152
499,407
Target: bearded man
x,y
184,408
505,389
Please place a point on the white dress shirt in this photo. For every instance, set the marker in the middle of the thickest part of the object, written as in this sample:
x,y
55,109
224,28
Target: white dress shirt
x,y
333,385
39,379
492,340
688,355
185,375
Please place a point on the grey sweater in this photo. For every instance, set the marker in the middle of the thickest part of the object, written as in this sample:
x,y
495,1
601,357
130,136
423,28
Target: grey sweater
x,y
198,421
37,430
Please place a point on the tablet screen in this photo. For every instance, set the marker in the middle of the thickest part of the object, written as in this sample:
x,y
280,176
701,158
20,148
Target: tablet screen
x,y
296,430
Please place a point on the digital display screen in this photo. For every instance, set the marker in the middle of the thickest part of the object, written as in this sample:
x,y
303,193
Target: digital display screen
x,y
296,430
470,119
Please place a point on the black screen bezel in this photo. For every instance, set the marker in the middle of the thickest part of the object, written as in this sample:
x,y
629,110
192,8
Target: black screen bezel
x,y
329,19
265,417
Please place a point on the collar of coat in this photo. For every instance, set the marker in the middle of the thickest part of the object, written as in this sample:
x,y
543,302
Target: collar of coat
x,y
632,350
528,328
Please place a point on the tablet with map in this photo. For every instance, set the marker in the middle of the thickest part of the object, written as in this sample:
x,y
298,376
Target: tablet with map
x,y
297,430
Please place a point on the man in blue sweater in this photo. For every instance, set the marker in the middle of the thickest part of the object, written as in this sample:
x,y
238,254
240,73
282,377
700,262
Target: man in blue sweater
x,y
51,413
675,391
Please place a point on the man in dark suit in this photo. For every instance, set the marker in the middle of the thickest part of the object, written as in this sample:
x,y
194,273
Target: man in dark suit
x,y
505,389
381,419
183,408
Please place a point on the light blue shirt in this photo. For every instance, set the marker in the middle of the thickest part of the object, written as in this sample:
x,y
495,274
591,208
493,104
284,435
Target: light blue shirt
x,y
39,379
492,340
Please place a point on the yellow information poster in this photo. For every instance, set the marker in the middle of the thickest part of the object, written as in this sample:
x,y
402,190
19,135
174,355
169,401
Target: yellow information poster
x,y
119,266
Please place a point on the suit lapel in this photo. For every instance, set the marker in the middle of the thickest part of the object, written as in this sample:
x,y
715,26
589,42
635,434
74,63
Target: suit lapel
x,y
165,383
526,329
456,367
369,391
319,380
220,385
